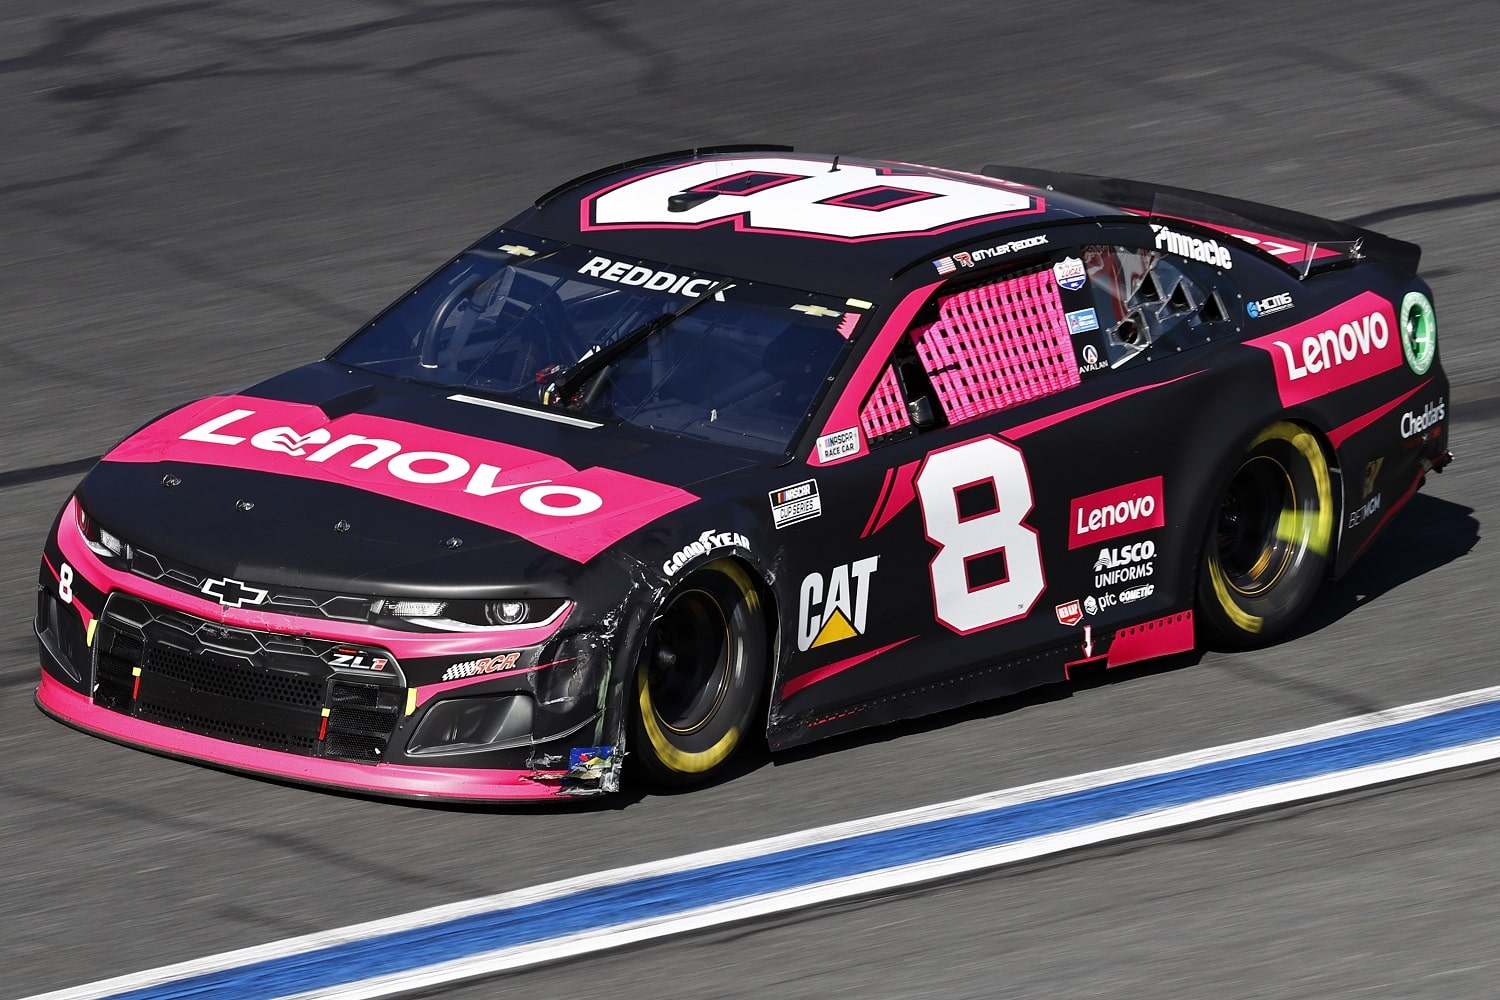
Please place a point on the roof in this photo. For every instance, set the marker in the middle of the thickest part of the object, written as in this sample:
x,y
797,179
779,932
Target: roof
x,y
804,220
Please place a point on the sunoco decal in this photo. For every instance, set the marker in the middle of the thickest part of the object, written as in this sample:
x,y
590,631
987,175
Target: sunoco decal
x,y
705,543
575,513
1347,344
1120,510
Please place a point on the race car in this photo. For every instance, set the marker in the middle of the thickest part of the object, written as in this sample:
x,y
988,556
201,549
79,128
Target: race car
x,y
739,446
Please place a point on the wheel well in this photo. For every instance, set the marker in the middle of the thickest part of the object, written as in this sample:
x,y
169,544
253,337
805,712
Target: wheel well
x,y
1218,484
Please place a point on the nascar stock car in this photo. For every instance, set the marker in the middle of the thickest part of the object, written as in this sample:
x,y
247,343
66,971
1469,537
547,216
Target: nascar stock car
x,y
739,444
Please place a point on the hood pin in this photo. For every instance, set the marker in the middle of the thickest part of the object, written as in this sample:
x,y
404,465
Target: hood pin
x,y
243,504
452,543
342,525
168,481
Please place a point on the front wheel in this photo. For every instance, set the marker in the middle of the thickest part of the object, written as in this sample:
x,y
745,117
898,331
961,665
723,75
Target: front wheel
x,y
698,684
1269,539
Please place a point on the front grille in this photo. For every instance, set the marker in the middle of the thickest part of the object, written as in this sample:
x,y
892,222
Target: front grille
x,y
285,600
245,686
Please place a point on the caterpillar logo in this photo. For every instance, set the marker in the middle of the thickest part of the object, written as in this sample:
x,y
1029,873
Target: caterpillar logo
x,y
835,608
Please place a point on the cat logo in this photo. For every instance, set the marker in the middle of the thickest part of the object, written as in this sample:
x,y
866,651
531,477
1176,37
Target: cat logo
x,y
836,611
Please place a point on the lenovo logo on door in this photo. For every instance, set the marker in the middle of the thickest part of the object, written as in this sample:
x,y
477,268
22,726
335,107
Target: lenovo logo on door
x,y
1347,344
1119,510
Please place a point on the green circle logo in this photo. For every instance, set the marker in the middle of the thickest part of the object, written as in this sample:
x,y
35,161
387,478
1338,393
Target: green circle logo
x,y
1418,332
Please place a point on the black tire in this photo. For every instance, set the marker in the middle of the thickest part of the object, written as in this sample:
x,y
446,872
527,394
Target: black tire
x,y
700,679
1269,539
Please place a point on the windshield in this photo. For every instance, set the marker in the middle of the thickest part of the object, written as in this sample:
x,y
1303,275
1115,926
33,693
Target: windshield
x,y
744,365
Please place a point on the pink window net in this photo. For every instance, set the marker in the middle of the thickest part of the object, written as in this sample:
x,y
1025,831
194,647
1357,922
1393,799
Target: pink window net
x,y
998,345
885,411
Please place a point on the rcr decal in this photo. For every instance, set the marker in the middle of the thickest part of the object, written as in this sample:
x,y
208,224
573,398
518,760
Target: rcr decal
x,y
1413,424
795,197
1204,251
709,541
624,273
1120,510
836,608
485,665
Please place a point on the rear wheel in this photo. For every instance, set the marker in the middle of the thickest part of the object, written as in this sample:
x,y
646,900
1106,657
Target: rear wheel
x,y
1269,539
699,681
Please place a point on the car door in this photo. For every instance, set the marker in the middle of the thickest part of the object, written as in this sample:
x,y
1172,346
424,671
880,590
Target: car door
x,y
1005,505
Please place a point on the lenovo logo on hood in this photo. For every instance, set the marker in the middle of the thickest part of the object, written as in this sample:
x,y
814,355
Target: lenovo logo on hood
x,y
539,497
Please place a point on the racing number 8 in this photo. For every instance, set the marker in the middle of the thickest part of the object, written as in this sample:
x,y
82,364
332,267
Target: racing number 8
x,y
974,499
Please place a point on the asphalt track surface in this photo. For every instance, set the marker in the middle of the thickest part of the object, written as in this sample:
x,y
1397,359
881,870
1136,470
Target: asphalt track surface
x,y
194,195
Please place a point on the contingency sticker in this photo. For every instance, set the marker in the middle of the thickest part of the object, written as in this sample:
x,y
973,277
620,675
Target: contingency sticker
x,y
796,503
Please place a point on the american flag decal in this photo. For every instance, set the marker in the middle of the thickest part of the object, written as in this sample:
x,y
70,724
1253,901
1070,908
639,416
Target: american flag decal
x,y
945,265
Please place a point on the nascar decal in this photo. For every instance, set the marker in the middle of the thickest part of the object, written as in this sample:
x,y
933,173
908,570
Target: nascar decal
x,y
536,496
1335,349
794,197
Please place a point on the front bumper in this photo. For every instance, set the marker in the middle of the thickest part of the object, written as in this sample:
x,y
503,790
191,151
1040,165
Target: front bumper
x,y
334,704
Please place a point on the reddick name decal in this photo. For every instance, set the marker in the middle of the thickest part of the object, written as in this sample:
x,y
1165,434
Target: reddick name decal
x,y
575,513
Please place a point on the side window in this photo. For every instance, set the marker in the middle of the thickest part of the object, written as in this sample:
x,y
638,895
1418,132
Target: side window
x,y
1148,304
975,351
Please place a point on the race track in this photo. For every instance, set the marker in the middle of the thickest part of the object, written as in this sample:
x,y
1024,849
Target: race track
x,y
195,194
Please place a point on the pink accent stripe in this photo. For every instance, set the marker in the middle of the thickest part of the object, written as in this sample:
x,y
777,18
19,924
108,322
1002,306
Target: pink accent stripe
x,y
885,413
998,345
846,411
826,671
1344,432
1161,637
1042,423
404,645
527,493
391,779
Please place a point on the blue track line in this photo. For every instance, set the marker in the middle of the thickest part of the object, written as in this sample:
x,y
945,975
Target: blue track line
x,y
668,894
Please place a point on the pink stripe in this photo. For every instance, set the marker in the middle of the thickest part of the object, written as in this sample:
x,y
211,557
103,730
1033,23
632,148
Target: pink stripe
x,y
391,779
404,645
826,671
1344,432
1042,423
527,493
1161,637
846,411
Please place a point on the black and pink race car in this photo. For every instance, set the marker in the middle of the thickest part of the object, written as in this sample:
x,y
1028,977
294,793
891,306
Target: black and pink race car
x,y
737,445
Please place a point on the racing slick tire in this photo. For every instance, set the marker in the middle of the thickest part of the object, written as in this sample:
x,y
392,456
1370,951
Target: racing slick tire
x,y
1269,539
699,682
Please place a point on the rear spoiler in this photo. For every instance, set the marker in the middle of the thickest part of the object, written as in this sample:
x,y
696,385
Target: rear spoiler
x,y
1305,244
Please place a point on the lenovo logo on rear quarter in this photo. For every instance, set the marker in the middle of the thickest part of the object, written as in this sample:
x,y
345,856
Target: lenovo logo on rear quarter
x,y
1120,510
1347,344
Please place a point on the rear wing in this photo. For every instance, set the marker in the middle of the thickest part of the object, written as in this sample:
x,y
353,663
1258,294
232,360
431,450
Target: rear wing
x,y
1305,244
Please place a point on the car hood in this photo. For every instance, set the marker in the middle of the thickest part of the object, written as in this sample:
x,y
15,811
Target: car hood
x,y
325,477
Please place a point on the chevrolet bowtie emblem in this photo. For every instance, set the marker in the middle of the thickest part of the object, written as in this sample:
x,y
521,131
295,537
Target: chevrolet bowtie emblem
x,y
232,593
